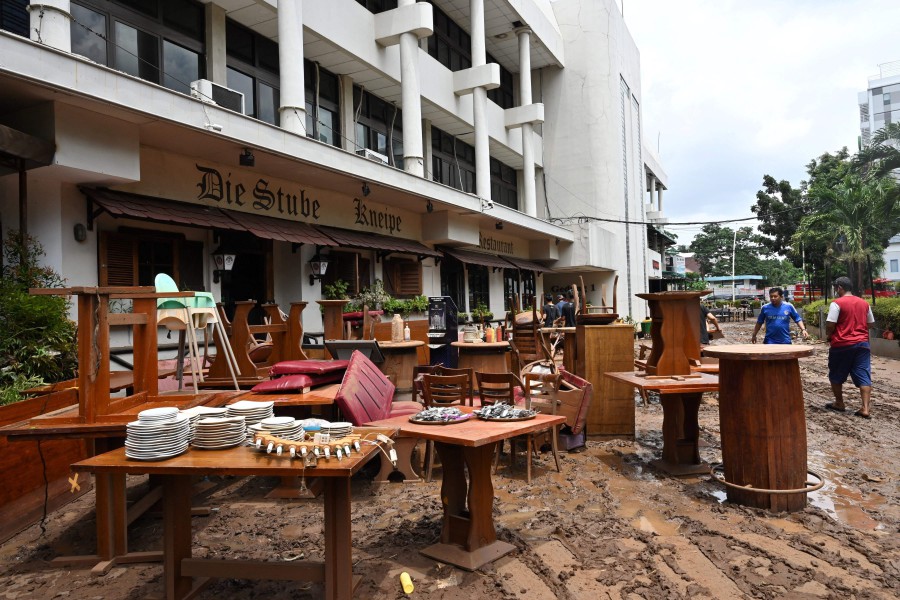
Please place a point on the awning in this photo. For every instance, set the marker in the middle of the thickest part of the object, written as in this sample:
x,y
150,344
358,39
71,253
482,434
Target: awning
x,y
135,206
476,258
282,230
526,265
372,241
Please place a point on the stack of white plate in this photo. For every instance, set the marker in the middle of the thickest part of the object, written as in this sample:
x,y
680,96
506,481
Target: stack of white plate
x,y
216,433
286,428
337,430
159,433
196,413
253,412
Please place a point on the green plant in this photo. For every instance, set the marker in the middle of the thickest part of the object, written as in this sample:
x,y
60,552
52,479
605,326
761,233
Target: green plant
x,y
371,296
38,344
887,314
481,312
462,317
811,312
755,304
418,304
336,290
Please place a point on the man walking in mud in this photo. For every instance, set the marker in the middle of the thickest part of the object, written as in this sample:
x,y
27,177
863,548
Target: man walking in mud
x,y
847,328
777,315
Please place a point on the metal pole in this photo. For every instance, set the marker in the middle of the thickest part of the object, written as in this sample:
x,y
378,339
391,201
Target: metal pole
x,y
733,252
871,281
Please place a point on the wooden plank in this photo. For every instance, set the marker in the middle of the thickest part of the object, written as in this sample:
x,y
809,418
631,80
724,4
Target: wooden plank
x,y
127,319
254,569
35,150
759,351
604,348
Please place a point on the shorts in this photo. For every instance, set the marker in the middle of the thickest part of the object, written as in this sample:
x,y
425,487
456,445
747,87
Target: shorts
x,y
854,361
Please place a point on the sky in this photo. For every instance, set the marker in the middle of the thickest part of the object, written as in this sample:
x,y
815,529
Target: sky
x,y
734,89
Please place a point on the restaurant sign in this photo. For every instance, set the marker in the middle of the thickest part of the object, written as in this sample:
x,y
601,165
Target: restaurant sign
x,y
495,245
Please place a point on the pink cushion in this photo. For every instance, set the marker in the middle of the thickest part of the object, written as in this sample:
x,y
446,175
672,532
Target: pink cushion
x,y
365,394
405,407
290,383
309,367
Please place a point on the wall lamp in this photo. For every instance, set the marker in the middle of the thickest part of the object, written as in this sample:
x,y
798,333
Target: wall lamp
x,y
429,207
365,189
498,225
247,159
318,265
223,262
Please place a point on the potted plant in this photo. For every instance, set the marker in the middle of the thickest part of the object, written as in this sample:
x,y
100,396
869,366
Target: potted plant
x,y
481,313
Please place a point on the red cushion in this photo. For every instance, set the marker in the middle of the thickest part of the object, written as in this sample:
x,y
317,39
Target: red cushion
x,y
290,383
405,407
309,367
366,393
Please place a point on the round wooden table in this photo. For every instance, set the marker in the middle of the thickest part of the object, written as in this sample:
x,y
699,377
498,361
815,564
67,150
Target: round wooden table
x,y
484,357
763,422
399,360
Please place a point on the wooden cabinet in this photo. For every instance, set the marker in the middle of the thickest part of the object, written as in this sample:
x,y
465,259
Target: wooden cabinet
x,y
601,349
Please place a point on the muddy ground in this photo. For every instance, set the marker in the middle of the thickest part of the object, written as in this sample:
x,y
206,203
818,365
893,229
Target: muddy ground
x,y
608,526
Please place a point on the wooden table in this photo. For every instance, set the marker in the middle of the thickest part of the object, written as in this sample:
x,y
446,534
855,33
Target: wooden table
x,y
570,345
484,357
468,535
399,360
680,400
176,475
763,423
675,331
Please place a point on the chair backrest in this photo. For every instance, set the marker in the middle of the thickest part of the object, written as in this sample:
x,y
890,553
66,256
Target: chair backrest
x,y
469,373
445,390
542,391
366,393
575,397
164,283
497,387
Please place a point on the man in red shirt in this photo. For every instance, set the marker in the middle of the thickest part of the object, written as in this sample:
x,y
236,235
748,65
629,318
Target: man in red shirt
x,y
847,327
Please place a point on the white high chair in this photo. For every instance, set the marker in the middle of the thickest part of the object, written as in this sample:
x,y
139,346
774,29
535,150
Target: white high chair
x,y
199,311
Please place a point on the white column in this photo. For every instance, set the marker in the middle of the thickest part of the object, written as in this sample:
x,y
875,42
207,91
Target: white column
x,y
348,126
659,192
652,190
290,60
49,23
479,105
411,100
216,67
529,193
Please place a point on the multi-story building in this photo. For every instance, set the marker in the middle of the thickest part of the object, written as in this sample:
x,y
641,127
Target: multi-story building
x,y
879,105
480,149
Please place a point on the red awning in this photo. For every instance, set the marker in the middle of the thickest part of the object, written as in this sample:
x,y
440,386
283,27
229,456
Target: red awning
x,y
372,241
135,206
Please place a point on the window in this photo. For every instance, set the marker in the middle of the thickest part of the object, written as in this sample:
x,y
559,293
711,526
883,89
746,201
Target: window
x,y
403,277
511,289
377,6
160,41
453,281
894,265
504,189
351,267
478,286
452,161
134,257
327,127
451,46
379,126
253,71
14,16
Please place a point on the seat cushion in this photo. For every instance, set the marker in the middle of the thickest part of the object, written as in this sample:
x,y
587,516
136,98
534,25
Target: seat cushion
x,y
309,367
405,407
288,383
366,393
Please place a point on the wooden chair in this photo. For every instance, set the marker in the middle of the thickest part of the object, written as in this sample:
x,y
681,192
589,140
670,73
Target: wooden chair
x,y
527,344
541,394
469,373
418,372
443,390
497,387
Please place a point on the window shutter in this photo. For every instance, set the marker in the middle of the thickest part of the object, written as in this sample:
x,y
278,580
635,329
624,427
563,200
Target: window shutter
x,y
404,277
118,259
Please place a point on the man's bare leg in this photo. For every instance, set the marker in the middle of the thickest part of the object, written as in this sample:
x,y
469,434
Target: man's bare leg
x,y
838,391
865,392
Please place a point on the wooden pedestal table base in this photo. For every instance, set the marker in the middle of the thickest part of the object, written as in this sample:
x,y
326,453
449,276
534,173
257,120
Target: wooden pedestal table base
x,y
680,399
763,423
468,535
399,360
404,447
486,357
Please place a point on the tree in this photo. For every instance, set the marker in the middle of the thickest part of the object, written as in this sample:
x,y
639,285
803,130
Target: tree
x,y
712,249
882,156
854,220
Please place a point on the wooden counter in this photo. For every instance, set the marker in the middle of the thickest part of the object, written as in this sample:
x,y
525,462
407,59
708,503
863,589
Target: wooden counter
x,y
603,348
399,360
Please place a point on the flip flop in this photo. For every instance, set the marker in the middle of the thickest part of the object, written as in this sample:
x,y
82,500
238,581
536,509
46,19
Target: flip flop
x,y
831,406
859,413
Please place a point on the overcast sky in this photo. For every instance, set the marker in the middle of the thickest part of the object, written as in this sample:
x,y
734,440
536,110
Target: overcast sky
x,y
737,89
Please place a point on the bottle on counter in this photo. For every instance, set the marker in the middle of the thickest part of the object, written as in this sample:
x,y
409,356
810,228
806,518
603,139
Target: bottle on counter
x,y
406,334
397,328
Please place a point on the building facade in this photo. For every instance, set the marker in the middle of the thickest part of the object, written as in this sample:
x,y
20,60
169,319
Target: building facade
x,y
482,149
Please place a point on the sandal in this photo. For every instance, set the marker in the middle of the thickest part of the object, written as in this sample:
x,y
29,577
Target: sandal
x,y
860,413
831,406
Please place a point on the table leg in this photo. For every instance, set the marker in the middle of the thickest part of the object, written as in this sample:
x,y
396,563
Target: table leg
x,y
468,535
176,534
681,435
339,581
404,447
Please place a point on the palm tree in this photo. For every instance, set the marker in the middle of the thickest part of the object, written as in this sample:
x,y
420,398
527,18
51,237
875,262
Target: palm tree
x,y
883,155
854,220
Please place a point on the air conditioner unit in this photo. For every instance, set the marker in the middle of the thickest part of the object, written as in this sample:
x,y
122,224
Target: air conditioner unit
x,y
372,155
207,91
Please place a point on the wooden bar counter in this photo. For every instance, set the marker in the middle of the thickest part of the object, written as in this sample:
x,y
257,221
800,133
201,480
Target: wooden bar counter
x,y
486,357
763,422
399,360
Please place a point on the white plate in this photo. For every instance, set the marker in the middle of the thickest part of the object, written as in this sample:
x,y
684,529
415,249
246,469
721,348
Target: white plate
x,y
277,422
162,412
221,446
250,404
159,424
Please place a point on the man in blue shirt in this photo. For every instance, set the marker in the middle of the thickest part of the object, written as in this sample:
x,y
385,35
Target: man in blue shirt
x,y
777,315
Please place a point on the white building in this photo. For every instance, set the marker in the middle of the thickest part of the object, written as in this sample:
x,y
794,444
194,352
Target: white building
x,y
892,260
459,147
